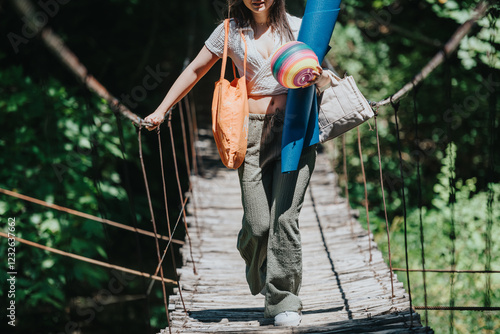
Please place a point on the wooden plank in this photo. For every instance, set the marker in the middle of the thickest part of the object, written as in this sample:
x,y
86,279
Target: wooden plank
x,y
342,292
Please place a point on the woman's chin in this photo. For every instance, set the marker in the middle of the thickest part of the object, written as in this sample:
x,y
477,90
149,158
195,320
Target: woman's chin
x,y
258,7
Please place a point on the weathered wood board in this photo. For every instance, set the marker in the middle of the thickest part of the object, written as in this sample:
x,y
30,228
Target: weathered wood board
x,y
342,292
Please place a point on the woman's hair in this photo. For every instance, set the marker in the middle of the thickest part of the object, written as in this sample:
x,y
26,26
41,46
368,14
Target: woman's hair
x,y
277,17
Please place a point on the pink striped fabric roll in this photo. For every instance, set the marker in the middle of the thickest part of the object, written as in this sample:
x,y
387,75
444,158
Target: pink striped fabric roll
x,y
293,63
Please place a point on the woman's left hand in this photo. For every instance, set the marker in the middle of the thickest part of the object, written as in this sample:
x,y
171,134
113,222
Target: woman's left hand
x,y
320,78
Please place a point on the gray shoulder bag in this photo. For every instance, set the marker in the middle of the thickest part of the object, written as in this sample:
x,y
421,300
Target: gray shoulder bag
x,y
342,107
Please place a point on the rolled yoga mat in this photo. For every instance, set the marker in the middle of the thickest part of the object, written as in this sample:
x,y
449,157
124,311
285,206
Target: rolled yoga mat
x,y
301,115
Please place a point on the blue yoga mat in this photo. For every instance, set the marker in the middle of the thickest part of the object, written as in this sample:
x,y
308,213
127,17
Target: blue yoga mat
x,y
301,116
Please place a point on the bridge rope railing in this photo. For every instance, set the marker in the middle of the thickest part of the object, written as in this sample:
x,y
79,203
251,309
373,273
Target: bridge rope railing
x,y
69,59
450,47
441,57
170,233
55,44
86,259
58,48
405,220
420,206
153,221
88,216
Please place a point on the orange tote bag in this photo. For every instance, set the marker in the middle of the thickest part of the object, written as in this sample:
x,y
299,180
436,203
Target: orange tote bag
x,y
230,112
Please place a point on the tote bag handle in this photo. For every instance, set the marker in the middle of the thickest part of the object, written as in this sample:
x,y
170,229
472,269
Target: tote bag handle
x,y
224,56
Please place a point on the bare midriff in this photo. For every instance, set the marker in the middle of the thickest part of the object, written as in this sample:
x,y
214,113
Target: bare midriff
x,y
266,104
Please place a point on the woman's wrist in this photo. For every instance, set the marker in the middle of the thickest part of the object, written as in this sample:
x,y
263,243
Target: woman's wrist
x,y
323,83
162,110
160,113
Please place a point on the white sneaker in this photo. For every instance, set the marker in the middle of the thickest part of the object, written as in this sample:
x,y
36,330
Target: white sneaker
x,y
287,319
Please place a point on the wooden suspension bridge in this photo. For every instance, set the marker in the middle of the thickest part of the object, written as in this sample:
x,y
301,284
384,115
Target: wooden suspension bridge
x,y
347,287
343,291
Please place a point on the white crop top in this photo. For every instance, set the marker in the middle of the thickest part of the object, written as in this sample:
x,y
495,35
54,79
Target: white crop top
x,y
260,80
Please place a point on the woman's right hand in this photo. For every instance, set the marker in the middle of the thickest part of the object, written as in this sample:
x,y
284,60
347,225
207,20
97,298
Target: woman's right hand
x,y
155,118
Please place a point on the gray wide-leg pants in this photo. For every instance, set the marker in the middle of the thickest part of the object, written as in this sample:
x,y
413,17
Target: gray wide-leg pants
x,y
269,240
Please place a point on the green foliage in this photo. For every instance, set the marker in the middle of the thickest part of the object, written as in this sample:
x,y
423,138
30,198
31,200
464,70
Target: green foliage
x,y
48,133
383,47
361,60
61,145
470,215
477,48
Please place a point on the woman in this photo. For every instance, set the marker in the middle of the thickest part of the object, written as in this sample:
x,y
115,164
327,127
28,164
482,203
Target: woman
x,y
269,240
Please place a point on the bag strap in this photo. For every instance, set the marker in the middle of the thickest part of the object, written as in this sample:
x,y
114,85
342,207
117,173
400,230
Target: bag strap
x,y
224,56
334,79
